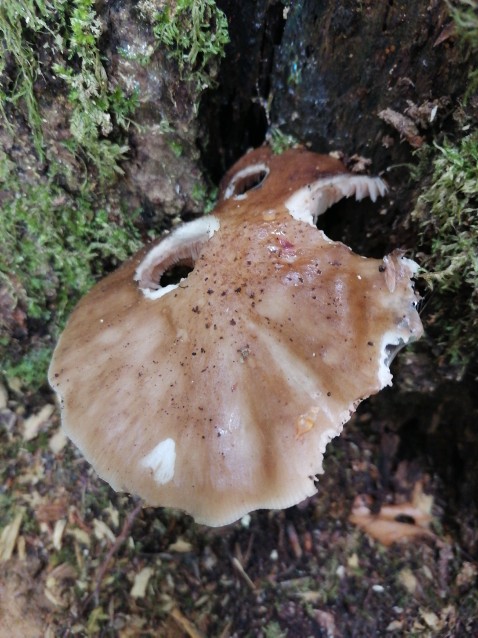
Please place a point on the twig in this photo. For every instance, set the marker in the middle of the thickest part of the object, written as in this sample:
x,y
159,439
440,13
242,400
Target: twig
x,y
185,624
120,539
242,573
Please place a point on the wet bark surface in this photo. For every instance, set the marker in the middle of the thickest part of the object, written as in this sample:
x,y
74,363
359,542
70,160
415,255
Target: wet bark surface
x,y
323,71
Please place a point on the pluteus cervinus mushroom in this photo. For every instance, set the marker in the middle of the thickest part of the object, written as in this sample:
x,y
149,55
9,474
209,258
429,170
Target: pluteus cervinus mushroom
x,y
218,393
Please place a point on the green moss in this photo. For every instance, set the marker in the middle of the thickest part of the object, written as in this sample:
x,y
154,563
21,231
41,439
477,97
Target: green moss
x,y
195,34
465,17
21,21
31,370
205,197
95,106
69,32
52,246
49,237
176,147
273,630
53,241
447,213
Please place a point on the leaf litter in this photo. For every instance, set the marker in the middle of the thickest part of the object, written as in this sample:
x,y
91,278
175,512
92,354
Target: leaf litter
x,y
80,560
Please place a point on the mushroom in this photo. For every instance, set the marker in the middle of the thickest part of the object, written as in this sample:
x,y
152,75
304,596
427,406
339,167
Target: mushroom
x,y
218,393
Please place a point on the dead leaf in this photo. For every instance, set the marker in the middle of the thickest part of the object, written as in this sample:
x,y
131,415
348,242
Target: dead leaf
x,y
52,511
395,625
180,546
431,619
408,579
33,424
467,575
102,531
358,164
134,629
59,585
80,535
326,621
58,441
58,533
395,523
141,581
8,538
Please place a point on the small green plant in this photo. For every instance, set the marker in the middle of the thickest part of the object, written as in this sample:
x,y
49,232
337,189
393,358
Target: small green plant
x,y
195,33
447,213
280,141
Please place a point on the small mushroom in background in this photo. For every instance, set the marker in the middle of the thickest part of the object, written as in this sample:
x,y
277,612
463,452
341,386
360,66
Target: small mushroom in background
x,y
218,394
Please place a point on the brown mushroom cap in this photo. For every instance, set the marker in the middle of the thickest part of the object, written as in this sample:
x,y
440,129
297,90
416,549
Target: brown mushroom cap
x,y
218,395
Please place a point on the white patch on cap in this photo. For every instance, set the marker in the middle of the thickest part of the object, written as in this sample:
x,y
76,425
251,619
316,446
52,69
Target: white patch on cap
x,y
161,460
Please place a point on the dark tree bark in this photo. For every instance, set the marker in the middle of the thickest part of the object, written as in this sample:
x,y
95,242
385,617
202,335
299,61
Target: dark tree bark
x,y
326,70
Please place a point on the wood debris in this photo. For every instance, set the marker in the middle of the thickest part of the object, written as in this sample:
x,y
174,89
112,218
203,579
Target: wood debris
x,y
185,624
404,125
242,573
3,397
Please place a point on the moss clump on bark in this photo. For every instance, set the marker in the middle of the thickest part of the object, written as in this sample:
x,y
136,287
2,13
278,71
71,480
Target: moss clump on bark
x,y
96,106
465,17
447,213
195,34
68,35
21,23
61,224
51,247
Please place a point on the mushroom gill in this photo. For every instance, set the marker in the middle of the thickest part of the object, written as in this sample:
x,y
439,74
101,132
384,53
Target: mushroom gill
x,y
218,394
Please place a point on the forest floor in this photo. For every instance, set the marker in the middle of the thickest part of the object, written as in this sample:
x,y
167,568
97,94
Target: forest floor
x,y
81,560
